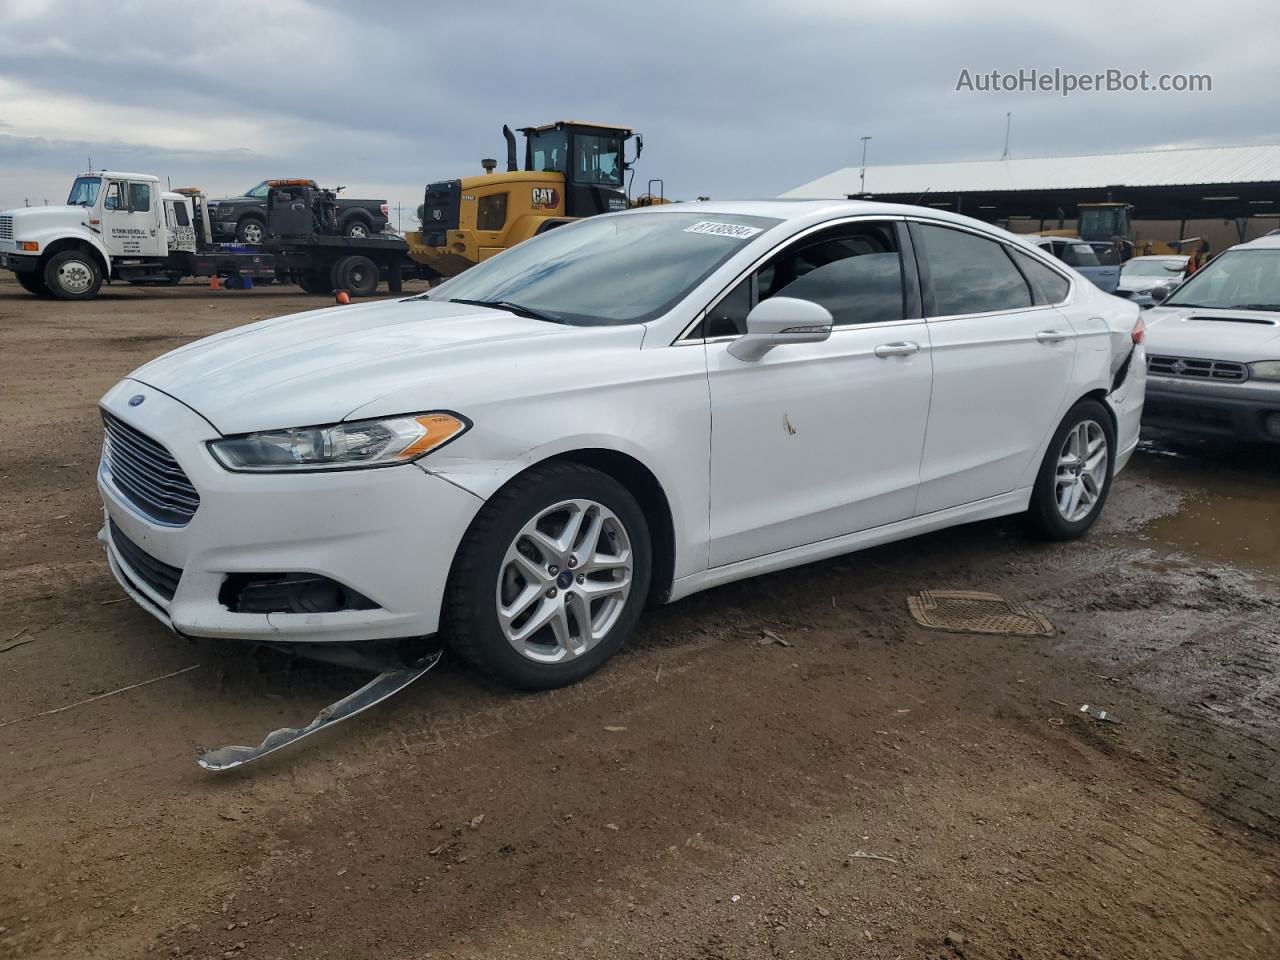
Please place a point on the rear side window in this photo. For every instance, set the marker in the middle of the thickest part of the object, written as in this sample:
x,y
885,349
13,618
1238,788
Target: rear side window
x,y
970,274
1048,284
180,214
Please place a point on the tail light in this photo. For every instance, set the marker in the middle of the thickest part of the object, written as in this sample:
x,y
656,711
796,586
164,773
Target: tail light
x,y
1139,331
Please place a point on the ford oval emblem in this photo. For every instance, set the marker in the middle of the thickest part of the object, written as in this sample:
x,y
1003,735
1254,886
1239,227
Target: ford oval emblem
x,y
136,399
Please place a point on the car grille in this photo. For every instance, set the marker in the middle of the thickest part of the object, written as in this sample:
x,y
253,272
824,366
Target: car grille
x,y
146,474
1190,369
142,566
6,228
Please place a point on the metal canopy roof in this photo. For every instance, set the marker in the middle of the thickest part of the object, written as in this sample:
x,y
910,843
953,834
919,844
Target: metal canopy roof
x,y
1147,168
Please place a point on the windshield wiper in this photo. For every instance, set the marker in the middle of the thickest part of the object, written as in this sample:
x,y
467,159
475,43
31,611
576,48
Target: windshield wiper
x,y
510,307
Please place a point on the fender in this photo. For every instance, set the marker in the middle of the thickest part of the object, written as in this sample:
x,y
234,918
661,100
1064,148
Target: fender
x,y
52,240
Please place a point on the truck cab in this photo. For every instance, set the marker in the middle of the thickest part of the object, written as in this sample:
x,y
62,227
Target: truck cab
x,y
113,223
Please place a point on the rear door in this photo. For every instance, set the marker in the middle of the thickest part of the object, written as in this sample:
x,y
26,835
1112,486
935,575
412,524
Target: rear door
x,y
817,440
1002,363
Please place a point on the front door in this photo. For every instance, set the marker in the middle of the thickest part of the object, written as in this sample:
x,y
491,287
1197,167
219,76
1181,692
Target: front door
x,y
818,440
129,219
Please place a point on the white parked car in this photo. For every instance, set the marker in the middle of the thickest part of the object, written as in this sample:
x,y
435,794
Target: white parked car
x,y
1140,275
1213,353
634,406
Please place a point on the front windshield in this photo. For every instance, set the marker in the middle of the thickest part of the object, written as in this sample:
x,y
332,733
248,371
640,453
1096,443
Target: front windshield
x,y
84,192
259,191
1239,279
1165,269
603,271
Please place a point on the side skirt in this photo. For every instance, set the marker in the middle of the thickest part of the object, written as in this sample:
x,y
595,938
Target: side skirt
x,y
1015,501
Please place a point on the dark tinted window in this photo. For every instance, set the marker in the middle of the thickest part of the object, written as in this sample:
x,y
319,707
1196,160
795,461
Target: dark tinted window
x,y
970,274
180,215
729,317
854,271
1049,285
491,212
140,197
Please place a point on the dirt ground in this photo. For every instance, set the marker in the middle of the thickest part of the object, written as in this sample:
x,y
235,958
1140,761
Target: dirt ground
x,y
871,789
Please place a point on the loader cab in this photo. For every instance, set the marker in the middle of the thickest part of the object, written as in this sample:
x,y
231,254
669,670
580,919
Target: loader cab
x,y
589,156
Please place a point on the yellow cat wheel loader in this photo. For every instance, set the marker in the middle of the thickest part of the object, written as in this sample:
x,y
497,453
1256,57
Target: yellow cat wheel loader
x,y
570,170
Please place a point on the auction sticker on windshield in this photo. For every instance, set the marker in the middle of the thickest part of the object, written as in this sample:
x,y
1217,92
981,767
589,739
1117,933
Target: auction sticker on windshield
x,y
734,230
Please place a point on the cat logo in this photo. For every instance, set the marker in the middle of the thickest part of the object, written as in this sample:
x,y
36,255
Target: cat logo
x,y
545,197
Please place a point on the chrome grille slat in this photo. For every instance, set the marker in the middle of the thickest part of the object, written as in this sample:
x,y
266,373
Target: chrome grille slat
x,y
1196,368
6,228
146,474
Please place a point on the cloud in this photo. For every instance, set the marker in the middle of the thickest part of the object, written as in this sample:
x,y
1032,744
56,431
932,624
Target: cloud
x,y
734,98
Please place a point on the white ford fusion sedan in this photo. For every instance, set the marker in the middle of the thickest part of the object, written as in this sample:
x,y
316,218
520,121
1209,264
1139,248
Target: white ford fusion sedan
x,y
632,407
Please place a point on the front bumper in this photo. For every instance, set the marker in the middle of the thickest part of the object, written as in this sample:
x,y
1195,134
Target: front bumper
x,y
19,263
389,533
1247,412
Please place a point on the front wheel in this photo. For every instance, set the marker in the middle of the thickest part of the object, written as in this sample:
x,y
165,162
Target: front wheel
x,y
550,578
1075,476
73,275
250,230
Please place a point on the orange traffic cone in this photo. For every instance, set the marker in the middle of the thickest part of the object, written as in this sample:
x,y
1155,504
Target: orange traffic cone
x,y
215,283
342,296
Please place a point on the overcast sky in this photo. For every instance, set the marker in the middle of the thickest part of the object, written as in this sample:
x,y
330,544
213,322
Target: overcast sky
x,y
735,99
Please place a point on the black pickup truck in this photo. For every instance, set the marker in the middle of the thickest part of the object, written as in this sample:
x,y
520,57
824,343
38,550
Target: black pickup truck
x,y
244,218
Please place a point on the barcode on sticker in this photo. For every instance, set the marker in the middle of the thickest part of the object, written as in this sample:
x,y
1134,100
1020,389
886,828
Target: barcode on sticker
x,y
735,231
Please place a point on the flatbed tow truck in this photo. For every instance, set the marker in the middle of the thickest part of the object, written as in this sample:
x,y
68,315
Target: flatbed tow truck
x,y
122,226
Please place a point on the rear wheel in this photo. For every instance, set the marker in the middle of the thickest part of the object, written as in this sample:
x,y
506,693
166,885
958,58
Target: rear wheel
x,y
358,229
550,578
33,282
73,275
1075,476
357,275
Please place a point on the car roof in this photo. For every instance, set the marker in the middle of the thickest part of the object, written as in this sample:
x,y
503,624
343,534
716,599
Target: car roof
x,y
1268,242
797,210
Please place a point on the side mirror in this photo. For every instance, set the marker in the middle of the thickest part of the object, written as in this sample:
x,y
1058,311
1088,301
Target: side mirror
x,y
781,320
1161,290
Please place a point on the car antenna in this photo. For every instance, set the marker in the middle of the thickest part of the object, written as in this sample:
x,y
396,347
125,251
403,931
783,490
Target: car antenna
x,y
921,197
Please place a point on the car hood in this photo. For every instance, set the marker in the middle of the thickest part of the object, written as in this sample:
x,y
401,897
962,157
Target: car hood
x,y
28,216
1240,335
319,367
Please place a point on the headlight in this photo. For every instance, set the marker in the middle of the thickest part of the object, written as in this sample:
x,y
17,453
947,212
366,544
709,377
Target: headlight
x,y
339,446
1265,370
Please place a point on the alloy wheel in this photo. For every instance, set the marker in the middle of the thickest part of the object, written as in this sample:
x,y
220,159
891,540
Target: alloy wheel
x,y
1082,470
564,581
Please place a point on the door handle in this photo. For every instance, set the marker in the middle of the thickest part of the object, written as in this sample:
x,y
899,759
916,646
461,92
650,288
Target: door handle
x,y
900,349
1053,336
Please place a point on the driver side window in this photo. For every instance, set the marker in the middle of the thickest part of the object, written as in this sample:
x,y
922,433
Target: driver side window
x,y
113,200
854,270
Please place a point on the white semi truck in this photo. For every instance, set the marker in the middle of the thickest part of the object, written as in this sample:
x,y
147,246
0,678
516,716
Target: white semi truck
x,y
123,226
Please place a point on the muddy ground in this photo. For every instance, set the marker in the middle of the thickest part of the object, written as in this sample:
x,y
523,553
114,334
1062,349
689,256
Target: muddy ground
x,y
871,790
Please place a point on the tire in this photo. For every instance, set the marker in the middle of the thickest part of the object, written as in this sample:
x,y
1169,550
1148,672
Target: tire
x,y
251,230
357,228
357,275
73,275
315,281
1055,512
33,282
484,575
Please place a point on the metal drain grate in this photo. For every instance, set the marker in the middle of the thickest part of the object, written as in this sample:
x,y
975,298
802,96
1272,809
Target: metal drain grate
x,y
964,611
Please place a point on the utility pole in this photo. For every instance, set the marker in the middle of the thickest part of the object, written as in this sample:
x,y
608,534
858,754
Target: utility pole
x,y
862,179
1008,122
